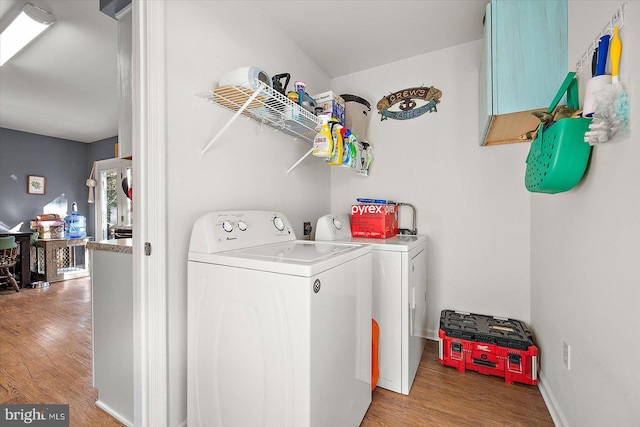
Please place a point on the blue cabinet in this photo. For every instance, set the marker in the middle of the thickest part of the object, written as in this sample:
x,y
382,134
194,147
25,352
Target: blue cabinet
x,y
524,61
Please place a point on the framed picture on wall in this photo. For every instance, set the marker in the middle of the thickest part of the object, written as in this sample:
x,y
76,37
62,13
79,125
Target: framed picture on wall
x,y
36,185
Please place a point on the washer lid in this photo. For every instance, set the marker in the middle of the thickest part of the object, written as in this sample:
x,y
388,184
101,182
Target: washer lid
x,y
300,257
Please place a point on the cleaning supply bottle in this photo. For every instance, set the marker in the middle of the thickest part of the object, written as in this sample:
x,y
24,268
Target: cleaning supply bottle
x,y
350,156
346,147
353,139
323,142
366,158
75,225
336,154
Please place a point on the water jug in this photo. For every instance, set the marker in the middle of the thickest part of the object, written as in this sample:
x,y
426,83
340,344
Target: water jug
x,y
75,225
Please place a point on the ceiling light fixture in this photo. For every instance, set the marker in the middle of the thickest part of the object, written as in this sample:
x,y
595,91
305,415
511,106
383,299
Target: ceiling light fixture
x,y
27,26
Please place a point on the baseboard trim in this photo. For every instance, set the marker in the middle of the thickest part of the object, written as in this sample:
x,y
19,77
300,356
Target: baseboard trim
x,y
552,404
432,335
113,413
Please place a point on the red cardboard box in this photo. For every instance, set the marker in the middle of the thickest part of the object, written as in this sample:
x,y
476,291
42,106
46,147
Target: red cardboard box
x,y
376,221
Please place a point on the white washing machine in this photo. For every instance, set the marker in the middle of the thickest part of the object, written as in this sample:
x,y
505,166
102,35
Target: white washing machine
x,y
399,299
279,329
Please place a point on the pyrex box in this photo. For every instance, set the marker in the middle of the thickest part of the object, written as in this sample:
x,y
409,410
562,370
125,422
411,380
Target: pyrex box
x,y
488,345
332,105
378,221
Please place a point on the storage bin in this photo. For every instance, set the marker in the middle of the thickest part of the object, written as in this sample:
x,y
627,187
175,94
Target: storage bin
x,y
53,229
356,115
331,105
488,345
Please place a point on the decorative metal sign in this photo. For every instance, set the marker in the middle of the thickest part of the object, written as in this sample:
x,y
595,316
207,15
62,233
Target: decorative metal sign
x,y
409,103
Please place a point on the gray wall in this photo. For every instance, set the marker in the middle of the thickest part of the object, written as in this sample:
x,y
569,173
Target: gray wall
x,y
65,165
98,150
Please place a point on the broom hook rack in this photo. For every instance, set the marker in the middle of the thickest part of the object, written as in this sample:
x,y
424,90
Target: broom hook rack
x,y
616,20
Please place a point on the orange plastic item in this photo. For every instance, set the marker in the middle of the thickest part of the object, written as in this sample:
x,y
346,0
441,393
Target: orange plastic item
x,y
375,336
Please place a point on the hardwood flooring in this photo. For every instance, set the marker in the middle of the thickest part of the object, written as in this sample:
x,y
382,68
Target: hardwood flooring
x,y
442,396
45,357
45,350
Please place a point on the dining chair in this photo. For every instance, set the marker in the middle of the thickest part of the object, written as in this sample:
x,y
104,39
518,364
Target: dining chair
x,y
8,258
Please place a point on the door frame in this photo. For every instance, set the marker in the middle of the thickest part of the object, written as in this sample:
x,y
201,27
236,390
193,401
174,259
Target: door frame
x,y
150,216
103,165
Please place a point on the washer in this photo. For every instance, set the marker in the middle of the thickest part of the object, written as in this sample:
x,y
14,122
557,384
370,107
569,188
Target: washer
x,y
399,299
279,329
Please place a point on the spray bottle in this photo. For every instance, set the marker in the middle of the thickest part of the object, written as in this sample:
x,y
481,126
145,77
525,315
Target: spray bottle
x,y
353,151
323,142
346,147
366,158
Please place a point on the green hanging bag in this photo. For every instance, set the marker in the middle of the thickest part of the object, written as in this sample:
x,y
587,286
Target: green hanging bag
x,y
559,155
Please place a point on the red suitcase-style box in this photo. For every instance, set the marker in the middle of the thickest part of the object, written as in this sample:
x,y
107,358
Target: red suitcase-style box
x,y
488,345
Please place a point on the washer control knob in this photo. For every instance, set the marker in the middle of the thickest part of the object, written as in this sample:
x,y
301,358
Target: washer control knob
x,y
242,226
278,223
227,226
337,223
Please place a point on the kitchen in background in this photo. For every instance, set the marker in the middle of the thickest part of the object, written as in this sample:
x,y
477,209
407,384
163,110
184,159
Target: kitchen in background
x,y
23,154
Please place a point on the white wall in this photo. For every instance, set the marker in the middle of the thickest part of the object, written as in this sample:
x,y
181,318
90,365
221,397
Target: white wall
x,y
471,200
585,252
246,168
567,264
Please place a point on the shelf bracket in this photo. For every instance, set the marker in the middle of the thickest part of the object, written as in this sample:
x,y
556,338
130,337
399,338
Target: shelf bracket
x,y
231,120
298,162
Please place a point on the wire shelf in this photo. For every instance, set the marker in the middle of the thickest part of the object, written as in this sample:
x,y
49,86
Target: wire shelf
x,y
261,103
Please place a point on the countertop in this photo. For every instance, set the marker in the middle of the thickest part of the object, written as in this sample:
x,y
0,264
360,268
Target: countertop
x,y
124,246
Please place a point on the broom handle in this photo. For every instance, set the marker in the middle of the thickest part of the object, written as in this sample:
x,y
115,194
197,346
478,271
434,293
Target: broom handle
x,y
616,51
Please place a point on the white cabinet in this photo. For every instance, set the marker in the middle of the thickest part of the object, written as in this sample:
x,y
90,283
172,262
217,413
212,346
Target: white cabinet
x,y
524,62
112,316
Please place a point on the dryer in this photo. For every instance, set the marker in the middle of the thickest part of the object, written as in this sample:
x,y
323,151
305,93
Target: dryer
x,y
279,329
399,298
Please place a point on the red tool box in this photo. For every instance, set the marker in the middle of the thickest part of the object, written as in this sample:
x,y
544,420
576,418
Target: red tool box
x,y
488,345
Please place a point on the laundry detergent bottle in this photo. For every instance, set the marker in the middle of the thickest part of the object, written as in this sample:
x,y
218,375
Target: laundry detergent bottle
x,y
336,133
323,142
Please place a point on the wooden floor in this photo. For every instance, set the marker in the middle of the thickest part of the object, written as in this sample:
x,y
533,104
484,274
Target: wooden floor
x,y
45,350
442,396
45,357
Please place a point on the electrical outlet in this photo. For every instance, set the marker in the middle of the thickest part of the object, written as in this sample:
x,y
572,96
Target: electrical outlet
x,y
307,228
566,354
